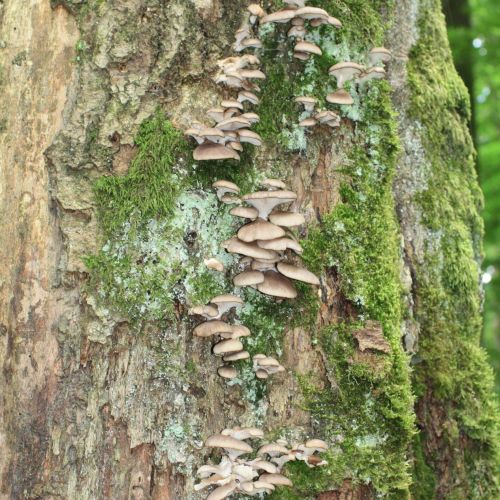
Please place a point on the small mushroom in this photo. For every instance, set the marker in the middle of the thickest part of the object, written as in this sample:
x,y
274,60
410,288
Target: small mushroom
x,y
231,104
379,55
328,118
297,273
208,312
280,245
333,21
249,137
254,43
297,32
223,491
273,184
276,479
251,117
265,201
237,356
260,229
307,101
214,264
227,346
340,96
272,449
308,122
245,95
209,328
281,16
277,285
303,56
227,372
235,245
345,71
248,278
307,48
216,114
233,123
245,212
212,151
287,219
256,12
312,13
226,302
223,187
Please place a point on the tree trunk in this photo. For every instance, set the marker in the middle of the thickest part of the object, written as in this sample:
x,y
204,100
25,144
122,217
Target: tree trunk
x,y
106,222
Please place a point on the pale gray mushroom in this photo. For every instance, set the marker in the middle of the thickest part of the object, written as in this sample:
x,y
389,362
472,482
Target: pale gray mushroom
x,y
253,43
253,73
235,123
245,95
259,464
280,245
273,450
276,479
223,469
287,219
345,71
267,364
312,13
263,265
249,137
227,346
235,145
229,199
226,302
281,16
251,117
297,21
209,328
208,312
237,356
228,372
260,229
277,285
195,133
244,212
297,32
333,21
375,73
265,201
248,278
235,245
260,487
237,331
303,56
230,103
243,32
243,433
256,12
340,96
234,447
308,48
222,187
308,122
273,184
214,264
328,118
379,55
233,80
307,101
212,151
223,491
298,273
216,114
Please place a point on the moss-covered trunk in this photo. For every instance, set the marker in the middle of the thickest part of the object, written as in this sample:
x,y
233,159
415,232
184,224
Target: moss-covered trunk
x,y
106,222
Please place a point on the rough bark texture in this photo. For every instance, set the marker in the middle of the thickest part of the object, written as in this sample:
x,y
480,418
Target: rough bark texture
x,y
105,394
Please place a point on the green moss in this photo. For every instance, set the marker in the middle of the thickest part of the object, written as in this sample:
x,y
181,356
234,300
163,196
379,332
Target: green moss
x,y
453,370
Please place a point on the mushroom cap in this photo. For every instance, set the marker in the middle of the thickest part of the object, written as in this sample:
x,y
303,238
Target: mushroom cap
x,y
216,114
311,13
231,104
209,328
251,117
243,432
272,449
327,116
226,186
260,373
316,443
248,278
226,299
277,285
340,96
256,10
229,199
228,443
267,361
303,56
233,123
227,371
228,346
237,331
308,122
222,491
245,212
212,151
260,229
237,356
273,184
246,95
207,311
265,201
252,73
235,245
265,466
333,21
287,219
250,137
277,479
281,16
345,71
379,54
251,42
308,47
375,73
297,31
305,99
214,264
280,244
235,145
297,273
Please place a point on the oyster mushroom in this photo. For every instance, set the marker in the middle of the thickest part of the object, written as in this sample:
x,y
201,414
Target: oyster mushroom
x,y
345,71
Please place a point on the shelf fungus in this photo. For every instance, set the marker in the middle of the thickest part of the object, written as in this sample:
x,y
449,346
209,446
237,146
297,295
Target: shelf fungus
x,y
264,366
345,72
379,55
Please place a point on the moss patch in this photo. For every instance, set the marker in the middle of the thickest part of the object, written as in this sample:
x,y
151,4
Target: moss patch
x,y
453,370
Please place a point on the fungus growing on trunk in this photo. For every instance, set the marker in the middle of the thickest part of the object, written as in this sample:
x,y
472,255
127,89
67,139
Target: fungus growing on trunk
x,y
340,96
345,71
379,55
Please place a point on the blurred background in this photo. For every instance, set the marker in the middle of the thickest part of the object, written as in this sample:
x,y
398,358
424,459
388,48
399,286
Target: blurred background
x,y
474,32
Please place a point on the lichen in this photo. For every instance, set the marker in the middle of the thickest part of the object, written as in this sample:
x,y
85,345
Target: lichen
x,y
453,368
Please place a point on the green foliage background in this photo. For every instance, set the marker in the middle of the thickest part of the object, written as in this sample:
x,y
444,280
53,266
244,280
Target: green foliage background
x,y
474,31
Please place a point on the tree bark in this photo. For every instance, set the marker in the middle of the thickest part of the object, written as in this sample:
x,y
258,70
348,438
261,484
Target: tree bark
x,y
105,393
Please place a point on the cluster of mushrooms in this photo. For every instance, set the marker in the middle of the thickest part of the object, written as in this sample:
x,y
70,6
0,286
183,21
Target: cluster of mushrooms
x,y
344,72
265,242
232,119
252,477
